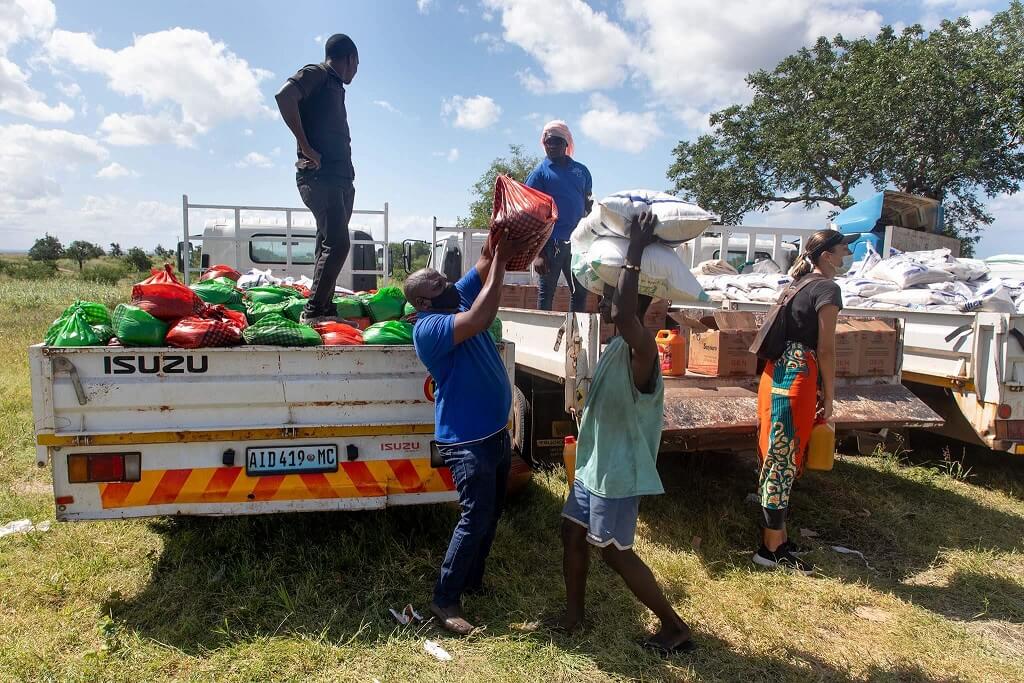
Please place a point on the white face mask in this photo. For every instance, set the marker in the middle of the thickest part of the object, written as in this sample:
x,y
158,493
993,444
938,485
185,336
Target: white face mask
x,y
844,267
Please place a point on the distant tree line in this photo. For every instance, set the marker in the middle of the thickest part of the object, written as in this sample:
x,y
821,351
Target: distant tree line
x,y
49,248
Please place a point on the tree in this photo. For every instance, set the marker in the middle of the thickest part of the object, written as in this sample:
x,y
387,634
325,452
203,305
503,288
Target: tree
x,y
115,250
81,251
46,248
420,255
517,165
936,114
162,253
138,260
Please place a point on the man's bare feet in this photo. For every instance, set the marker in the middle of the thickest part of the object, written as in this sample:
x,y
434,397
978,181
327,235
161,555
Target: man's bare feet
x,y
451,619
670,640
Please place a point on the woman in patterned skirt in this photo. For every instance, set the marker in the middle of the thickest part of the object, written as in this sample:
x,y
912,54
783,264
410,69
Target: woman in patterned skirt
x,y
797,389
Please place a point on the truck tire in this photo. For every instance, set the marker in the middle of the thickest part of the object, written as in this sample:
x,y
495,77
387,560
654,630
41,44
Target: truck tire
x,y
521,471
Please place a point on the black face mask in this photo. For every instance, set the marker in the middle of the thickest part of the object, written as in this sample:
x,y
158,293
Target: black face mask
x,y
448,300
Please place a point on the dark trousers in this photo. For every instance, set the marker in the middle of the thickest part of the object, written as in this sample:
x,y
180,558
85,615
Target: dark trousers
x,y
330,200
480,472
558,257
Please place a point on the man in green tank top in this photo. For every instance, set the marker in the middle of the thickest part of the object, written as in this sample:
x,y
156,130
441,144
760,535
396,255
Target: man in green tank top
x,y
615,457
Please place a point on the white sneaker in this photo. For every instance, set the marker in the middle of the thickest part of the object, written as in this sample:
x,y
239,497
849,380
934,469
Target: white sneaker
x,y
313,320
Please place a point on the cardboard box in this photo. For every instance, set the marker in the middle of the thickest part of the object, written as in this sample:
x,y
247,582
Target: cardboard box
x,y
847,349
529,296
512,296
560,301
724,349
878,342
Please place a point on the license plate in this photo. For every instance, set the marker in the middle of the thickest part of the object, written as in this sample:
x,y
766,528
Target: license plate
x,y
261,460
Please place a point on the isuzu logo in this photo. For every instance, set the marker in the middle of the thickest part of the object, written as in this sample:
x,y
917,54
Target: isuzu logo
x,y
400,446
152,365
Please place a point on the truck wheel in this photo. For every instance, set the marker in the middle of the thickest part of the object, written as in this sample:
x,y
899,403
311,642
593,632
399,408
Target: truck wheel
x,y
521,471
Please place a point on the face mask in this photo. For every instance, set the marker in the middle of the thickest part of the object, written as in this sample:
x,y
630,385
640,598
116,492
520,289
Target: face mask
x,y
448,300
844,267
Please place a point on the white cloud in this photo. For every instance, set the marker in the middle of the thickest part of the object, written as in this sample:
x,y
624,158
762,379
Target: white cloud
x,y
452,155
319,39
133,130
473,113
491,42
627,131
26,20
115,170
247,132
207,83
276,151
387,106
70,89
1003,236
979,17
462,9
578,48
424,6
254,160
531,81
32,159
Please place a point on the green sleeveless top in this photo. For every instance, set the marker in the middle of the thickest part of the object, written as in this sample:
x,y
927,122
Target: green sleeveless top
x,y
621,429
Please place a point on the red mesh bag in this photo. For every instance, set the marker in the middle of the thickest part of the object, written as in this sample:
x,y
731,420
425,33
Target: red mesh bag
x,y
338,334
193,333
167,301
219,312
522,211
221,270
162,277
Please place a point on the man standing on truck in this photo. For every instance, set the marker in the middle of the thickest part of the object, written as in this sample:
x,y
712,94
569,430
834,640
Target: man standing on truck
x,y
570,185
312,104
472,403
620,434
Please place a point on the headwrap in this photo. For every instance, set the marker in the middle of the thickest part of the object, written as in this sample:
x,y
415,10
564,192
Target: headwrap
x,y
559,129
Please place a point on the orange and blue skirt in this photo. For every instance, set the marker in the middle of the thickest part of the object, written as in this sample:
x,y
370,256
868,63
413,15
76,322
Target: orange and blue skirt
x,y
787,403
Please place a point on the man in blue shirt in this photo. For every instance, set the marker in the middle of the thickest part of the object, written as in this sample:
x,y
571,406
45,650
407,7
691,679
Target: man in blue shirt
x,y
570,185
472,404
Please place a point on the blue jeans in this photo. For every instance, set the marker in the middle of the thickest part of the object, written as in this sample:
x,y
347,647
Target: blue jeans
x,y
558,257
480,471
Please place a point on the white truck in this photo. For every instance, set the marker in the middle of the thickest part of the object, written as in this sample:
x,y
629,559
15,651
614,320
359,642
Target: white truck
x,y
968,367
556,354
136,432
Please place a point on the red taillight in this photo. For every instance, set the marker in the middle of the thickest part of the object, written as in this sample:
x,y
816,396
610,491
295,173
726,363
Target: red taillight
x,y
65,500
1004,411
93,467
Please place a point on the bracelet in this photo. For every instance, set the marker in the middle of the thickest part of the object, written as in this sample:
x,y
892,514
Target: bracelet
x,y
630,266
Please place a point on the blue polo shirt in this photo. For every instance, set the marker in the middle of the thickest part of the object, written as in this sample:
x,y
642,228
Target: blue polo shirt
x,y
473,396
569,186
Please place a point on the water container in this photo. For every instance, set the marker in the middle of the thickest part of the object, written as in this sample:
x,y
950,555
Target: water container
x,y
569,458
822,448
672,353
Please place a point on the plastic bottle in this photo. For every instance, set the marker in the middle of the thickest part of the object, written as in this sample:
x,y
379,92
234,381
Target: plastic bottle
x,y
672,353
569,458
822,448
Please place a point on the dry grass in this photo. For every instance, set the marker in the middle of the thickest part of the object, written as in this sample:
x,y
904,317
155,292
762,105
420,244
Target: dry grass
x,y
304,597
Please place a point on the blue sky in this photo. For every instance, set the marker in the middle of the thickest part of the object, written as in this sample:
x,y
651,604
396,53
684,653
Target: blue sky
x,y
109,111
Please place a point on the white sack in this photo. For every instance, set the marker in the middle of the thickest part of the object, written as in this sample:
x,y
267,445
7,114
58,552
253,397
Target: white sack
x,y
865,287
864,265
995,298
257,278
907,273
662,272
714,267
915,297
678,220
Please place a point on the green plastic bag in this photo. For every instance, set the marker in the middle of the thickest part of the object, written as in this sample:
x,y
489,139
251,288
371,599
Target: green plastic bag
x,y
391,332
256,311
91,312
103,332
349,307
213,292
72,329
276,330
135,327
495,330
224,281
293,309
408,310
386,304
270,294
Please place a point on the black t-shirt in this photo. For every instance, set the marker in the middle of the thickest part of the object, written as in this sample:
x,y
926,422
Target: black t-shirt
x,y
802,311
325,120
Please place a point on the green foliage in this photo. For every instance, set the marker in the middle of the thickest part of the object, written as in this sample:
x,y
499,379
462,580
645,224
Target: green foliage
x,y
20,269
420,257
81,251
105,273
138,260
47,248
161,253
517,165
936,114
115,250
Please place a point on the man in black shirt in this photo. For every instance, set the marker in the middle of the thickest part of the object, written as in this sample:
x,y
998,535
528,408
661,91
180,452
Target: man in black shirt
x,y
312,104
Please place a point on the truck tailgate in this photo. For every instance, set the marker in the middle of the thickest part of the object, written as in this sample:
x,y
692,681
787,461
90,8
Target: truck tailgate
x,y
717,412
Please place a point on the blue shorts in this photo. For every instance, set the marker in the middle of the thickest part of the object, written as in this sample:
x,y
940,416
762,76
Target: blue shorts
x,y
607,520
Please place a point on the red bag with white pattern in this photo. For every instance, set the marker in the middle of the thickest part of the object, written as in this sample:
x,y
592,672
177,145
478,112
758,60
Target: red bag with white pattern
x,y
221,270
194,333
522,211
162,277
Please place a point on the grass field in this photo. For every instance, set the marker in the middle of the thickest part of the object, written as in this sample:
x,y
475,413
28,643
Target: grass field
x,y
305,597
